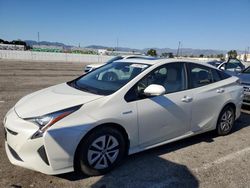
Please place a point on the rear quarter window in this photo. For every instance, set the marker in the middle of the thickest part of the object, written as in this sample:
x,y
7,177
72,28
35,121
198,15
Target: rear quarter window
x,y
223,75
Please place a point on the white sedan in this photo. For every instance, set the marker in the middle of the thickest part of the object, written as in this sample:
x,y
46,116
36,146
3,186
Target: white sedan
x,y
94,121
92,67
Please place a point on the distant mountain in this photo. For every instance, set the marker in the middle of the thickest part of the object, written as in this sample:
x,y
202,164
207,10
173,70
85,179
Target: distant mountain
x,y
182,51
118,49
188,51
97,47
32,42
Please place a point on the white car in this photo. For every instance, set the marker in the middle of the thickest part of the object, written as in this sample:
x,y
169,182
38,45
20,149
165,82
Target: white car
x,y
94,121
92,67
245,82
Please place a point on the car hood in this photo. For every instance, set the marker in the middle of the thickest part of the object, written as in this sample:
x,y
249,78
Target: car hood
x,y
245,78
52,99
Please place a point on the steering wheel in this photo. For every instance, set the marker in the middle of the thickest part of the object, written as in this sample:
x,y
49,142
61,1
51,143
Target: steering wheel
x,y
110,76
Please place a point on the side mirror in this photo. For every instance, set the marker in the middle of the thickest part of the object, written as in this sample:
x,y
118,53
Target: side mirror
x,y
154,90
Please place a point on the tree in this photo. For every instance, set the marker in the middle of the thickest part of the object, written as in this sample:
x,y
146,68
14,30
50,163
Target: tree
x,y
220,56
202,55
152,52
232,54
110,49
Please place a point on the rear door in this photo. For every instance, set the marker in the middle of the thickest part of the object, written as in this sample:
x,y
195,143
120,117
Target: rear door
x,y
209,96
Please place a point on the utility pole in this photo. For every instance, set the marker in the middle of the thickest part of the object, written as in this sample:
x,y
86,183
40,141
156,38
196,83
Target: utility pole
x,y
181,47
178,50
38,37
117,43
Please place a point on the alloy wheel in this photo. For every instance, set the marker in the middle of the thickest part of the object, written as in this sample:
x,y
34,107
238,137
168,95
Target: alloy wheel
x,y
103,152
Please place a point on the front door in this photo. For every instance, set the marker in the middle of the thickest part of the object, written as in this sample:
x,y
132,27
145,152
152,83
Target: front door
x,y
164,117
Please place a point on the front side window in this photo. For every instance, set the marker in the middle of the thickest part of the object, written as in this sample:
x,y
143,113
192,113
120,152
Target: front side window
x,y
171,76
108,78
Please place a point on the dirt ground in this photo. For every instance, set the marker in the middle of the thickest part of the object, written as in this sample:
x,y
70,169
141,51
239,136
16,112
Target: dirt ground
x,y
201,161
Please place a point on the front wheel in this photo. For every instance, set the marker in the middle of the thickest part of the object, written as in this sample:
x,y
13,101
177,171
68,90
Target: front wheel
x,y
101,151
226,121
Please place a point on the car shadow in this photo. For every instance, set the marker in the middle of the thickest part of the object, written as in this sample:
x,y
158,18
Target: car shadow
x,y
143,170
148,169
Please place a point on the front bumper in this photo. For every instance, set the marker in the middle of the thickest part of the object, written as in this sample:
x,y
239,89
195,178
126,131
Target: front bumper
x,y
45,154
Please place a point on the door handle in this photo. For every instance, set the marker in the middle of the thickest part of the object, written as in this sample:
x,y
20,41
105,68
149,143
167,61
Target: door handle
x,y
186,99
221,90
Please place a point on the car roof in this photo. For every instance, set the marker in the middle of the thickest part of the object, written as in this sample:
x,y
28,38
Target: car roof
x,y
139,56
161,61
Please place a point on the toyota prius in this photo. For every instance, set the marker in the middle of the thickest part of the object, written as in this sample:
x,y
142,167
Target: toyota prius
x,y
91,123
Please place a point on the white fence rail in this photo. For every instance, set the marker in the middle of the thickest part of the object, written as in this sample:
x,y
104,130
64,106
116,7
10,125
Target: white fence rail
x,y
55,57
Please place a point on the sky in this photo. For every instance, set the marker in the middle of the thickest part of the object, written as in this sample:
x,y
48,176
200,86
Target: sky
x,y
202,24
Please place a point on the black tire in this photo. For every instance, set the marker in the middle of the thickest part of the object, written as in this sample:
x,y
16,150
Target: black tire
x,y
226,121
84,156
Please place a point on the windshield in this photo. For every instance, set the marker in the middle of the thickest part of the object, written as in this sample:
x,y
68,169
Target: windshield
x,y
247,70
109,78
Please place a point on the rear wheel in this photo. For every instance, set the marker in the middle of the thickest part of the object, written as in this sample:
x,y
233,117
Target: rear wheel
x,y
226,121
101,151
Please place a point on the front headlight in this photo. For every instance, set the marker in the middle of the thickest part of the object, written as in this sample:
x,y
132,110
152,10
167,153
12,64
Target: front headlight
x,y
46,121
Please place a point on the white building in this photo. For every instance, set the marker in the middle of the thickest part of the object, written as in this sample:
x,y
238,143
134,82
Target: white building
x,y
12,47
48,47
244,57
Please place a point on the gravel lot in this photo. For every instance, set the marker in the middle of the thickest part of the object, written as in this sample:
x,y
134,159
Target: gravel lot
x,y
201,161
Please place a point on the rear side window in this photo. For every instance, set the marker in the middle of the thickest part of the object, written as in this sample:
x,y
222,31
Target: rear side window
x,y
200,75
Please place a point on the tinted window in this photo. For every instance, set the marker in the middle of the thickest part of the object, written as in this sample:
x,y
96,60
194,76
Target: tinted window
x,y
200,75
171,76
233,64
216,75
223,75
